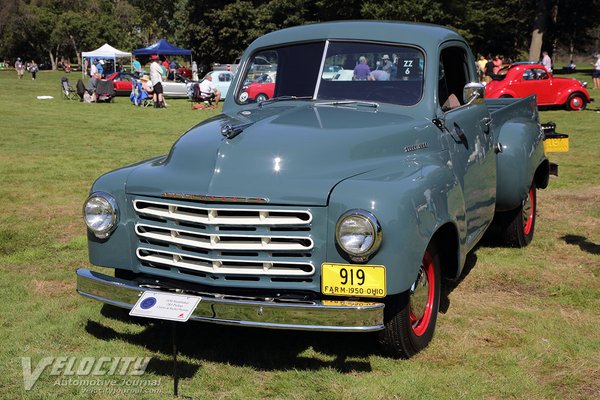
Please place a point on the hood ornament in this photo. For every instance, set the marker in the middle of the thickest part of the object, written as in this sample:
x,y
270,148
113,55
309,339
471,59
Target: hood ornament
x,y
231,131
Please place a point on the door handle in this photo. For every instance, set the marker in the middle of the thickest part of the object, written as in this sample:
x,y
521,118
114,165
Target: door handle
x,y
486,124
459,135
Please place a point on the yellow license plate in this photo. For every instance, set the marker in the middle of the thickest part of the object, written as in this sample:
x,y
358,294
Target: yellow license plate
x,y
556,145
353,280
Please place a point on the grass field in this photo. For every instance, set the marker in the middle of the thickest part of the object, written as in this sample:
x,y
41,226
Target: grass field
x,y
522,323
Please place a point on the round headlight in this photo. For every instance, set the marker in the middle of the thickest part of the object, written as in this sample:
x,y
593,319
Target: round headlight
x,y
358,233
100,214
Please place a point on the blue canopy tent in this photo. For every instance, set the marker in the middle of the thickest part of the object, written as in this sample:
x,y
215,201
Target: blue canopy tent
x,y
162,47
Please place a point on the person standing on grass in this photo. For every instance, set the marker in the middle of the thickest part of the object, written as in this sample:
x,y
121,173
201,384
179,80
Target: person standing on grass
x,y
33,68
137,67
547,61
194,71
156,76
19,67
596,71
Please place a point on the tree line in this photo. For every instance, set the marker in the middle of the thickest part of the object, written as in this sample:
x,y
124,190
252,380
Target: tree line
x,y
219,30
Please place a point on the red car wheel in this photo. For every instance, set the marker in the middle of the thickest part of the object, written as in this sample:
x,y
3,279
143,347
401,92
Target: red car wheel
x,y
410,317
576,102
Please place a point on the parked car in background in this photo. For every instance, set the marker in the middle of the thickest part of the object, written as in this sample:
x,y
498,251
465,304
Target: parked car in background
x,y
222,80
121,82
331,71
185,72
260,89
525,79
172,89
176,88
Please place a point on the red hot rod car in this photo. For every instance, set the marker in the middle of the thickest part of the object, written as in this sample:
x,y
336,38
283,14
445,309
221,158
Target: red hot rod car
x,y
524,79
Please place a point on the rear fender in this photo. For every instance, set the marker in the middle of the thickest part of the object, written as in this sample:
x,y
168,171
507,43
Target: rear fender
x,y
522,154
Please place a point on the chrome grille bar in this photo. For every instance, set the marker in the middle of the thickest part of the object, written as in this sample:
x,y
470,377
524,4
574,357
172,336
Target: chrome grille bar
x,y
224,242
223,266
221,216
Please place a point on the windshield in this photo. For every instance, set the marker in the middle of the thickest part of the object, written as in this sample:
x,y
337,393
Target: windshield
x,y
335,71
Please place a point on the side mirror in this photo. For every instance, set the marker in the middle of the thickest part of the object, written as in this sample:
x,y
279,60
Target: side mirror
x,y
473,92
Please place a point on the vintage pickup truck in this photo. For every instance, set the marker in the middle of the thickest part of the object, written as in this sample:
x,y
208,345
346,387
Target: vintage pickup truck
x,y
341,204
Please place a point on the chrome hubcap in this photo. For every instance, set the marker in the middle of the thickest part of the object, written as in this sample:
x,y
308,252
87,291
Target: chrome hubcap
x,y
419,295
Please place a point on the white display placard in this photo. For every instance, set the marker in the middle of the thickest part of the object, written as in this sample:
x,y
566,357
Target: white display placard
x,y
169,306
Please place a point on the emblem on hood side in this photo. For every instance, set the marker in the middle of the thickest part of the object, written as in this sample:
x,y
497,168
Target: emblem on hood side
x,y
415,147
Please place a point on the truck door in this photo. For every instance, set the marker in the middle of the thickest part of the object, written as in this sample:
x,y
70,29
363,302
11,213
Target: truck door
x,y
470,140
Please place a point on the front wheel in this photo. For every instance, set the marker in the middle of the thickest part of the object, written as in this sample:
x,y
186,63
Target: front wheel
x,y
576,102
410,317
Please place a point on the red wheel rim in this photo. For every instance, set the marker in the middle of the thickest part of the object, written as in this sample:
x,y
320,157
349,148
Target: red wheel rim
x,y
576,103
421,310
528,211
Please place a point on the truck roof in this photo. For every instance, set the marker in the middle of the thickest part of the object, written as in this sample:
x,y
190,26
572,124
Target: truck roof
x,y
424,35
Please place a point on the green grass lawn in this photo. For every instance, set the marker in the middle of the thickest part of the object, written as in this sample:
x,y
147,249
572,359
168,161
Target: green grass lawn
x,y
522,323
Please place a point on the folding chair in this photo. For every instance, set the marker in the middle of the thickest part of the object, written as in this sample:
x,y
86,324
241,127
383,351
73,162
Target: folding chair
x,y
198,100
68,91
105,91
138,96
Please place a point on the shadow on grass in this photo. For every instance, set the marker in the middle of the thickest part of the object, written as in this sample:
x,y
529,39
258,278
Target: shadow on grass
x,y
262,349
583,243
449,285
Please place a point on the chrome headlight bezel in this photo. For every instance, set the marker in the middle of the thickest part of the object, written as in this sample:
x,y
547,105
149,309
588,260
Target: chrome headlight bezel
x,y
372,228
109,215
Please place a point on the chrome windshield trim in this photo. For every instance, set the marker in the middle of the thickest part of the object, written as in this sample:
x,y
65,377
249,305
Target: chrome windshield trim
x,y
323,58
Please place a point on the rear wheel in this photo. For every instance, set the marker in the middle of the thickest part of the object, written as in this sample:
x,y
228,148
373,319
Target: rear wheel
x,y
410,317
506,96
515,228
576,102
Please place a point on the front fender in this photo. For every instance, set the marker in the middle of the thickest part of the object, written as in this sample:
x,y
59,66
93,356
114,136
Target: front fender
x,y
410,204
116,250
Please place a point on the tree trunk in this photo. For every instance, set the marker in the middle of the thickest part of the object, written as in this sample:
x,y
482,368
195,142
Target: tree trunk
x,y
539,28
79,61
52,60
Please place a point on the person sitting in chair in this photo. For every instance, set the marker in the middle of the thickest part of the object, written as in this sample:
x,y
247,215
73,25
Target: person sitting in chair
x,y
208,90
90,89
147,84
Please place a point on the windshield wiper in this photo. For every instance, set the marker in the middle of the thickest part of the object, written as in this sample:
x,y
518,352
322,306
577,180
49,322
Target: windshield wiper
x,y
283,98
347,103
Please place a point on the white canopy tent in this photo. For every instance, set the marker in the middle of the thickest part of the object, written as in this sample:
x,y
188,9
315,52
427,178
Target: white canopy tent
x,y
106,51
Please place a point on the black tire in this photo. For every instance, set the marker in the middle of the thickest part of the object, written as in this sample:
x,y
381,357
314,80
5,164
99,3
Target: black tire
x,y
506,96
410,317
516,228
261,97
576,102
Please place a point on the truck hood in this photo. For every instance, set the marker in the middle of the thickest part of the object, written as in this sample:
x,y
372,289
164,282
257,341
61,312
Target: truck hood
x,y
288,155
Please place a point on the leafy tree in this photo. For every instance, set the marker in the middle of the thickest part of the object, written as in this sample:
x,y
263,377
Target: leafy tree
x,y
219,30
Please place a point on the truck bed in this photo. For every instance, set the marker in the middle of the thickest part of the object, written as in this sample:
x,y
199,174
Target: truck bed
x,y
503,110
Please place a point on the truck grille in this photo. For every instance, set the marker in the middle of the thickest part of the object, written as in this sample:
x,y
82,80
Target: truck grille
x,y
230,241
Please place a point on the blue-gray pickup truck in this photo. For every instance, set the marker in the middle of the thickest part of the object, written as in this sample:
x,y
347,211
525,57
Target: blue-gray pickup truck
x,y
338,201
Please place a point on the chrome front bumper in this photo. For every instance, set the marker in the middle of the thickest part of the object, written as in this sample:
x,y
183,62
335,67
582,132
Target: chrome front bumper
x,y
318,315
